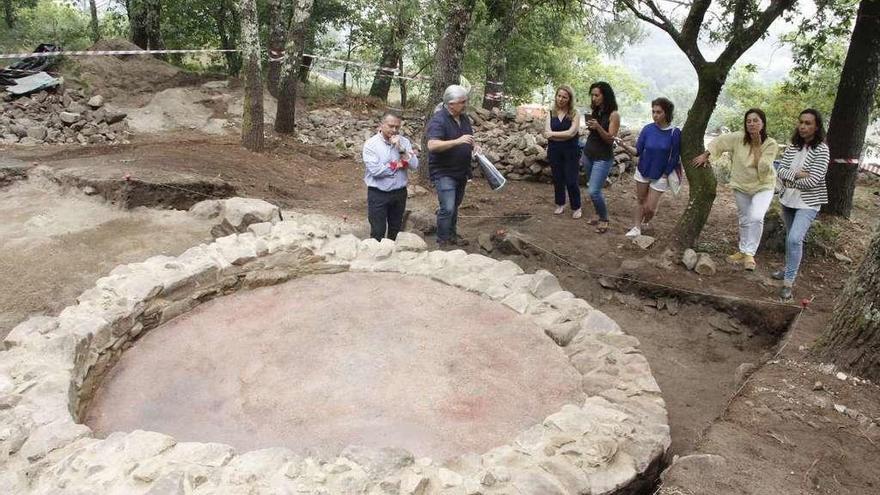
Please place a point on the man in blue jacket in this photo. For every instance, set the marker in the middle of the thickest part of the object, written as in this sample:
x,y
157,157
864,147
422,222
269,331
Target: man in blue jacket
x,y
450,148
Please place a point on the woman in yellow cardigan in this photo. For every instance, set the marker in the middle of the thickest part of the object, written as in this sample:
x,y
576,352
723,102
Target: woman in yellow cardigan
x,y
752,178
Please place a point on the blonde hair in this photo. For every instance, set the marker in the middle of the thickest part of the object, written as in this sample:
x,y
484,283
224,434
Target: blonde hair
x,y
570,112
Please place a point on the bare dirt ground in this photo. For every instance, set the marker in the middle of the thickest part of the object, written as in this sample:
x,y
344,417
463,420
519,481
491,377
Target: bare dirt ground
x,y
776,434
55,244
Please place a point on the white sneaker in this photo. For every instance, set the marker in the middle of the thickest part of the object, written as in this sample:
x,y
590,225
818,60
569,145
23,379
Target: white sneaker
x,y
558,210
634,232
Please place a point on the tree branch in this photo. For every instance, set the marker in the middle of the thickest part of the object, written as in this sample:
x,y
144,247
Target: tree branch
x,y
656,17
739,12
690,29
744,37
687,38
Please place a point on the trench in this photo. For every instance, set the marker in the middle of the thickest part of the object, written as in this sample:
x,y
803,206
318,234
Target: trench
x,y
695,343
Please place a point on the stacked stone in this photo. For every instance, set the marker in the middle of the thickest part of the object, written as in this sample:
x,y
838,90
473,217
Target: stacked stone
x,y
514,143
345,132
608,442
60,118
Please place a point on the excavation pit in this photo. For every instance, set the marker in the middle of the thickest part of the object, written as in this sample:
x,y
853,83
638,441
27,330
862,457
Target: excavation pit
x,y
294,358
324,361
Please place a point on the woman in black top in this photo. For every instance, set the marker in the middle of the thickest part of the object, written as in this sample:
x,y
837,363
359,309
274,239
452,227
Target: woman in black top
x,y
561,131
603,122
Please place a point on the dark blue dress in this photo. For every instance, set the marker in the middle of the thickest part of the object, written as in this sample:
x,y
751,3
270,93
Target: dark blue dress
x,y
563,157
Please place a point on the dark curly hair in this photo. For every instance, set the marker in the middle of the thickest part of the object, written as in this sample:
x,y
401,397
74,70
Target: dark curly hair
x,y
666,105
609,101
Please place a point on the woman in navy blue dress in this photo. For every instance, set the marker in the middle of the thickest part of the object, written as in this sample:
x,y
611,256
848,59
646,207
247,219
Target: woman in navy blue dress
x,y
561,130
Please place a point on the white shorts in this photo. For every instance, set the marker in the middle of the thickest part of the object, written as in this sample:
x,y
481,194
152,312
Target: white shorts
x,y
659,185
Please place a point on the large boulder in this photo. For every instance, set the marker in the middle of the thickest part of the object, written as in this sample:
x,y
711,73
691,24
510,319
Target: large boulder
x,y
235,215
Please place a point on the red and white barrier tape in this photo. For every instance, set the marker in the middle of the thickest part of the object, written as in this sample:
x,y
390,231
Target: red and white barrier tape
x,y
86,53
870,167
848,161
273,56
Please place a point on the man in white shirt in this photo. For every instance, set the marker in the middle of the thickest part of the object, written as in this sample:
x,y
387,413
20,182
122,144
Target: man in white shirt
x,y
388,157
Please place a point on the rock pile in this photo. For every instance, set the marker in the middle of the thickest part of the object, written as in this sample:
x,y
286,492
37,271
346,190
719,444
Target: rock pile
x,y
513,142
60,118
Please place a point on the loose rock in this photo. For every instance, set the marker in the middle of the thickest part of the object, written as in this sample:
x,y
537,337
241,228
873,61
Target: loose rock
x,y
705,265
689,259
643,241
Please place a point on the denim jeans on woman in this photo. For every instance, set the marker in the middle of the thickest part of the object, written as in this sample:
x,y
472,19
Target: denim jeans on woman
x,y
797,224
450,193
597,172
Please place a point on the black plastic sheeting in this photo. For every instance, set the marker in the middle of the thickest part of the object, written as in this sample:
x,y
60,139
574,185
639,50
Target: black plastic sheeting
x,y
30,65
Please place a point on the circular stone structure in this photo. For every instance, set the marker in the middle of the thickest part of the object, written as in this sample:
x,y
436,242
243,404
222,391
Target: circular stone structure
x,y
324,361
608,435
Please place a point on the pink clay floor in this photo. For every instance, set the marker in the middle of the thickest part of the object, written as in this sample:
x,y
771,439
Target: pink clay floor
x,y
321,362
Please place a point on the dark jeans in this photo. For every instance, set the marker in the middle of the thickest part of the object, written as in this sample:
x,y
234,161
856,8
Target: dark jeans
x,y
385,211
450,193
566,171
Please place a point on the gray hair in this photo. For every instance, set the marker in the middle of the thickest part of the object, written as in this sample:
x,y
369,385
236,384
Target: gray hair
x,y
452,93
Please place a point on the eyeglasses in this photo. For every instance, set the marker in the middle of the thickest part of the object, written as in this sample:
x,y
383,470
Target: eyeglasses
x,y
460,102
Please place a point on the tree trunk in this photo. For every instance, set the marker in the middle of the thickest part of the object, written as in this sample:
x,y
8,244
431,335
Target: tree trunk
x,y
137,20
306,61
226,31
450,50
496,73
347,60
96,31
9,13
852,108
391,53
146,32
279,18
284,118
853,336
385,74
496,63
701,180
305,66
447,61
402,83
252,112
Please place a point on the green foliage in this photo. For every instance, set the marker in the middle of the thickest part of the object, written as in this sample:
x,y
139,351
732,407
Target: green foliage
x,y
783,101
553,45
197,24
46,21
584,66
813,43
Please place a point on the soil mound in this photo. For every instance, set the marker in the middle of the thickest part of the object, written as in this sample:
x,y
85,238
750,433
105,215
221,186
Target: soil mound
x,y
128,80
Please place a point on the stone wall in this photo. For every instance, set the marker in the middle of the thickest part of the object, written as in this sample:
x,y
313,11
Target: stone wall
x,y
513,142
611,442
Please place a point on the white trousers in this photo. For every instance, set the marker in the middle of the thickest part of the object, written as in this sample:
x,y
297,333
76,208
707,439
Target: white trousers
x,y
751,209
